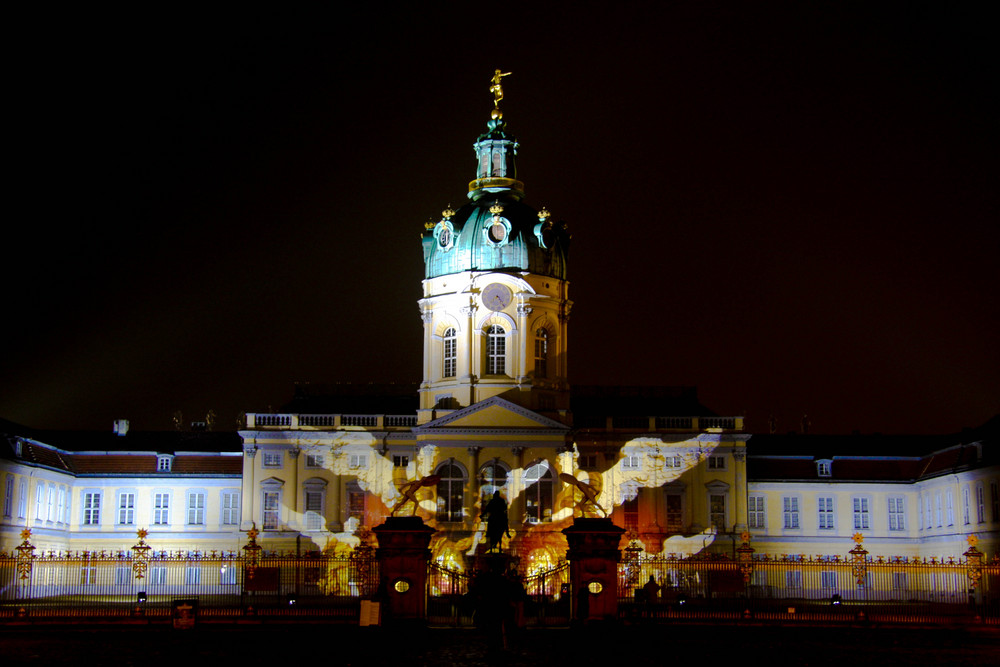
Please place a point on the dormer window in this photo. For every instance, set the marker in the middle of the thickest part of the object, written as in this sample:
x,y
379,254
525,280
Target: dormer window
x,y
164,462
823,467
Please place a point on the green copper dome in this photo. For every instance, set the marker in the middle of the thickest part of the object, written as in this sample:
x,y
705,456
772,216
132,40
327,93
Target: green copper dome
x,y
496,230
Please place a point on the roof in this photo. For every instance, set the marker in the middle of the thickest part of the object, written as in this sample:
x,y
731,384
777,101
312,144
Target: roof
x,y
86,453
870,458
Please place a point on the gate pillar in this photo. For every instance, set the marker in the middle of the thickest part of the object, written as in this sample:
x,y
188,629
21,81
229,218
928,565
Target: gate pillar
x,y
402,556
593,566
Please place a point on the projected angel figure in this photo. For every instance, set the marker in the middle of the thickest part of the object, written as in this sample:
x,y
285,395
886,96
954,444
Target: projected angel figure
x,y
496,521
496,88
409,491
588,491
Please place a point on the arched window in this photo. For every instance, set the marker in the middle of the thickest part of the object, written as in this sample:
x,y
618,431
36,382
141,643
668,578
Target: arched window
x,y
450,491
541,353
494,477
496,350
450,353
538,493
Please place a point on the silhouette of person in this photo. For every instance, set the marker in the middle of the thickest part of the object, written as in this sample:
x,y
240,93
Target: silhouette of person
x,y
496,521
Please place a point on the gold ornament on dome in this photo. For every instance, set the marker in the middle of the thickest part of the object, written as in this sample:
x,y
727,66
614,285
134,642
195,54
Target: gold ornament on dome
x,y
447,213
496,87
544,214
496,209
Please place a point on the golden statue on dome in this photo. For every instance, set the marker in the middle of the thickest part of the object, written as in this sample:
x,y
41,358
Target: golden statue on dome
x,y
497,89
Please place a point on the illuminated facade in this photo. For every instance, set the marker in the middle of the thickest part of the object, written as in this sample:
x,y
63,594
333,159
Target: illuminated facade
x,y
93,491
494,411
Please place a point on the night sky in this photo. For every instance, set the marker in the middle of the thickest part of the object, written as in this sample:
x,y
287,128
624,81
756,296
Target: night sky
x,y
793,208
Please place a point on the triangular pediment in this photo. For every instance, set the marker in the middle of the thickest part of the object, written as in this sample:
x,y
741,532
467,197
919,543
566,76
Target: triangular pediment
x,y
493,413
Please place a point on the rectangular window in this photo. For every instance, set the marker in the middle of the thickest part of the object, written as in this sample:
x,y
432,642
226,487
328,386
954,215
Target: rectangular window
x,y
88,575
314,460
8,496
823,468
22,501
862,517
227,576
674,515
980,504
192,575
756,512
630,509
896,514
272,459
716,462
126,509
929,523
630,463
158,575
588,462
91,509
400,461
791,511
271,510
39,501
163,463
828,579
314,510
196,509
717,511
496,351
61,505
673,462
359,460
356,504
965,506
230,508
995,501
937,508
950,506
123,576
826,513
161,509
50,509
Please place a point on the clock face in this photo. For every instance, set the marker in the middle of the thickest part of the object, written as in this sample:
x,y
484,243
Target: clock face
x,y
496,296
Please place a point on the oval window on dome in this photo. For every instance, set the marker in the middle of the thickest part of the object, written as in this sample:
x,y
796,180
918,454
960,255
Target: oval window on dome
x,y
498,232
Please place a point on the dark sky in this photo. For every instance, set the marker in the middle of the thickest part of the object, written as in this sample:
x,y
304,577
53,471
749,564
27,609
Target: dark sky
x,y
792,207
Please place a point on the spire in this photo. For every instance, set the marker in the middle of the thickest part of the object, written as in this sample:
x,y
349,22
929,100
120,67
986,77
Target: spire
x,y
495,150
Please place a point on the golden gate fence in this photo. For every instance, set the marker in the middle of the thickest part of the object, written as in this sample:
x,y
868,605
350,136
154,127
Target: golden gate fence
x,y
227,584
818,588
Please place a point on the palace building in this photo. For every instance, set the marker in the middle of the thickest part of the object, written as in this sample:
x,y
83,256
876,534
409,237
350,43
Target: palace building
x,y
494,412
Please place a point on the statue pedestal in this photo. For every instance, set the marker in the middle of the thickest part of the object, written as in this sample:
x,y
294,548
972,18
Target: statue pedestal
x,y
593,566
403,555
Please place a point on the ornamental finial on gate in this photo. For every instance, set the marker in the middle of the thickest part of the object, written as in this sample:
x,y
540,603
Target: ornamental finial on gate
x,y
859,560
973,561
140,555
744,553
252,550
25,554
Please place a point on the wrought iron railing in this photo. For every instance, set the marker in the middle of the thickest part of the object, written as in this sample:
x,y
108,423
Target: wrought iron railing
x,y
145,582
826,588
